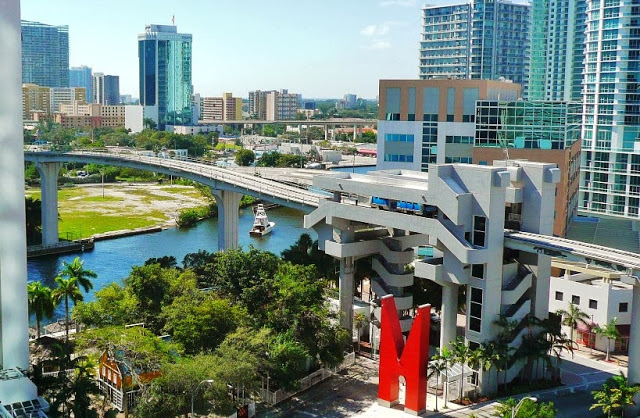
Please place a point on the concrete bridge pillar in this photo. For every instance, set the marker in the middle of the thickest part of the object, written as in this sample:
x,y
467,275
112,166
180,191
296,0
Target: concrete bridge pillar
x,y
346,283
355,132
228,208
49,186
448,319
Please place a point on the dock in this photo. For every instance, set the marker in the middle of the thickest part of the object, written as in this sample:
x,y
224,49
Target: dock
x,y
61,247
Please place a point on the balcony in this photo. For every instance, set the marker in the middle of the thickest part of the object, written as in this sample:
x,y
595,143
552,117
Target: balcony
x,y
430,268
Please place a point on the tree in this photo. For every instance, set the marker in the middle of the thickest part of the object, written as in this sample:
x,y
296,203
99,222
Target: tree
x,y
245,157
610,332
447,358
572,317
75,270
113,305
150,285
200,321
149,123
369,137
33,209
475,360
40,303
436,367
606,399
360,320
460,351
528,409
68,290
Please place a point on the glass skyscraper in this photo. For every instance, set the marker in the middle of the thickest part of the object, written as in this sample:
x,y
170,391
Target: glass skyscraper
x,y
483,39
81,77
557,50
610,170
165,74
45,54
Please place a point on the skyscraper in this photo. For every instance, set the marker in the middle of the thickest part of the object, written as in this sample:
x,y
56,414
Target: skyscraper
x,y
557,47
610,174
81,77
45,54
482,39
106,89
165,75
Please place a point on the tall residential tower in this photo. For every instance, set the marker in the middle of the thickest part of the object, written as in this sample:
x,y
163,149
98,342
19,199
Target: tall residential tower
x,y
81,77
45,54
106,89
482,39
165,75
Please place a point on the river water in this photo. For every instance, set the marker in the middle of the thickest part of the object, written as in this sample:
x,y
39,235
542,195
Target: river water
x,y
112,260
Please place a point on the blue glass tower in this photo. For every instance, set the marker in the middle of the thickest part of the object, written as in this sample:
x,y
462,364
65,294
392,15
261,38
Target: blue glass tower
x,y
165,74
81,77
45,54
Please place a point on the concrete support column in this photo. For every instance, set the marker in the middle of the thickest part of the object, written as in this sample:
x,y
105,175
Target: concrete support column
x,y
228,208
355,132
346,292
634,337
448,319
326,132
14,319
49,185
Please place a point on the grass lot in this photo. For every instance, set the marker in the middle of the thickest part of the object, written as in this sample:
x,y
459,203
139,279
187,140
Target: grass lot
x,y
84,212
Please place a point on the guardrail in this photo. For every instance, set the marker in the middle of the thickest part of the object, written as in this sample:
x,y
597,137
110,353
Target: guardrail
x,y
200,167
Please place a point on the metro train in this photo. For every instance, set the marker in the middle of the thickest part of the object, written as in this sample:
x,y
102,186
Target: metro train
x,y
413,208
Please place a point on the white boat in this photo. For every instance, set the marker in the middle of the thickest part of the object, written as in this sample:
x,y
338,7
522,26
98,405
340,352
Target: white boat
x,y
261,224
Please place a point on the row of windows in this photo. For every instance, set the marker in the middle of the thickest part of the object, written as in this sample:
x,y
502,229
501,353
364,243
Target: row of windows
x,y
398,158
593,304
454,160
458,139
398,138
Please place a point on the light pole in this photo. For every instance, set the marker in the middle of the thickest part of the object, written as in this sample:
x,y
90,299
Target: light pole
x,y
209,381
515,409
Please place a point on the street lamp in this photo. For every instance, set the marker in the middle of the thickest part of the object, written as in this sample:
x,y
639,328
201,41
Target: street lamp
x,y
209,381
514,410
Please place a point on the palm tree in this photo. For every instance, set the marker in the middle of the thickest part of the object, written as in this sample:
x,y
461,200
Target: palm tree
x,y
488,358
610,331
625,391
360,320
572,317
460,351
40,303
437,366
76,270
447,358
67,289
503,355
475,360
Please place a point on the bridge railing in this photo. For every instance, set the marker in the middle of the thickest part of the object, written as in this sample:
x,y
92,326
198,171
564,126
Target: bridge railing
x,y
205,169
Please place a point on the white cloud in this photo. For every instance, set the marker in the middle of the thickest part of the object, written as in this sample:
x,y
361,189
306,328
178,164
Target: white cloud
x,y
379,29
403,3
369,30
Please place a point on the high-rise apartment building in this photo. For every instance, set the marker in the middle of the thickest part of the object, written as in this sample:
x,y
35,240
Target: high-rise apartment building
x,y
258,104
232,107
45,54
35,99
557,46
81,77
610,172
482,39
165,75
106,89
65,95
274,104
226,107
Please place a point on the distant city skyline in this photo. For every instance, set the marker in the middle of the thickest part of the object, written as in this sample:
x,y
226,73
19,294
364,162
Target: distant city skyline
x,y
319,50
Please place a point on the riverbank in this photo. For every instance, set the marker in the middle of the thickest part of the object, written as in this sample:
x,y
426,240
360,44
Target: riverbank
x,y
120,210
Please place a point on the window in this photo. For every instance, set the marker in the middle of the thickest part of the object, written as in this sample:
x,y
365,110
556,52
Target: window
x,y
575,299
475,312
479,230
559,296
477,271
593,304
450,118
623,307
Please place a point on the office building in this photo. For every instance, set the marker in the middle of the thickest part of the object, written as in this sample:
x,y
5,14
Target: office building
x,y
610,172
258,104
82,77
421,122
62,95
226,107
534,131
350,101
35,99
274,105
232,107
78,115
106,89
557,50
481,39
45,54
165,75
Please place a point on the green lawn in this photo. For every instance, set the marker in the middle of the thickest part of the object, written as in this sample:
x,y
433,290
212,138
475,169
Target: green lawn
x,y
84,224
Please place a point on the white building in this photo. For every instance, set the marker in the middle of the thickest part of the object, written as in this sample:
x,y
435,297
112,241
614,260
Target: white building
x,y
599,293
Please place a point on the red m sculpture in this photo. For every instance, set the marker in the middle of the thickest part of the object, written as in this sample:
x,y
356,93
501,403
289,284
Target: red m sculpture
x,y
399,359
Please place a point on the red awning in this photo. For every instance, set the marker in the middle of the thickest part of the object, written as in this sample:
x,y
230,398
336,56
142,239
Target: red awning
x,y
586,327
368,151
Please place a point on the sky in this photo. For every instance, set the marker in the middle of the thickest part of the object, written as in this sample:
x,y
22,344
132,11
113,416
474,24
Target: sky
x,y
320,49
